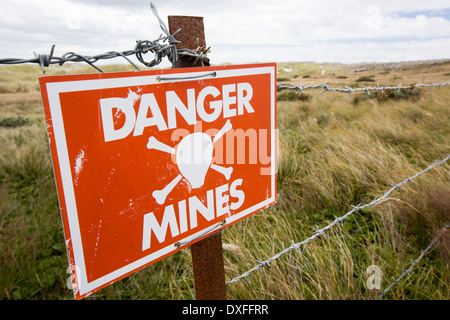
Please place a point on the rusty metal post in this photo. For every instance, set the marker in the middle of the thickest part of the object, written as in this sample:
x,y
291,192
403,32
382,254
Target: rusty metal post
x,y
207,254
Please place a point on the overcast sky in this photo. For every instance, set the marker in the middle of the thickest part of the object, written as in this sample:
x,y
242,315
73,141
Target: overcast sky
x,y
238,31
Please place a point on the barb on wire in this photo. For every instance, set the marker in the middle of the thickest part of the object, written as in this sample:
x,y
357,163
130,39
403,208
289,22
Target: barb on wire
x,y
205,232
415,262
338,220
300,87
164,46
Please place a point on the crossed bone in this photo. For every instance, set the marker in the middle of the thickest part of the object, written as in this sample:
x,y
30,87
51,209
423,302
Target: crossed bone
x,y
161,195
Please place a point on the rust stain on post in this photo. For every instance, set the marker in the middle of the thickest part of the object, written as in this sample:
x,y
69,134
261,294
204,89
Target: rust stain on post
x,y
207,254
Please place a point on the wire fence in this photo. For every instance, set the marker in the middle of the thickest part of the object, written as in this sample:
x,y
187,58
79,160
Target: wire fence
x,y
320,232
415,262
326,88
165,46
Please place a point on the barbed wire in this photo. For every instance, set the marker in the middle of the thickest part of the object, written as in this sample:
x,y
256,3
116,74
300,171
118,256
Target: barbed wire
x,y
297,246
422,254
164,46
325,87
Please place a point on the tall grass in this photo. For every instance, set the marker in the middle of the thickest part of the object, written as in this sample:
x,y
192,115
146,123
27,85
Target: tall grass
x,y
334,153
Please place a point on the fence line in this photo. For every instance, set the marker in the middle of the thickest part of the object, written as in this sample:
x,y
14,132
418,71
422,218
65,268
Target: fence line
x,y
422,254
324,85
164,46
296,246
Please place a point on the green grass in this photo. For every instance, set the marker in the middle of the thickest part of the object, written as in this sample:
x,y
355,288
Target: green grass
x,y
334,153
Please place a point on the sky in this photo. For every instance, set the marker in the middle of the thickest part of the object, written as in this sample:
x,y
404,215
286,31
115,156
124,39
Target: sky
x,y
346,31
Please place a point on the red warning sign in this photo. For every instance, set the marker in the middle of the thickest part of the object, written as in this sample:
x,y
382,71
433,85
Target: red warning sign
x,y
147,163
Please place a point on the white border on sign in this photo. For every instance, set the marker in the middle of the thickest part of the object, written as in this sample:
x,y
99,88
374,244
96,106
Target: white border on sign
x,y
55,88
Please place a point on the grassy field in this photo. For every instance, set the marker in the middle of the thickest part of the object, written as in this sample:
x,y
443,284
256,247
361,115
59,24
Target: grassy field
x,y
335,152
